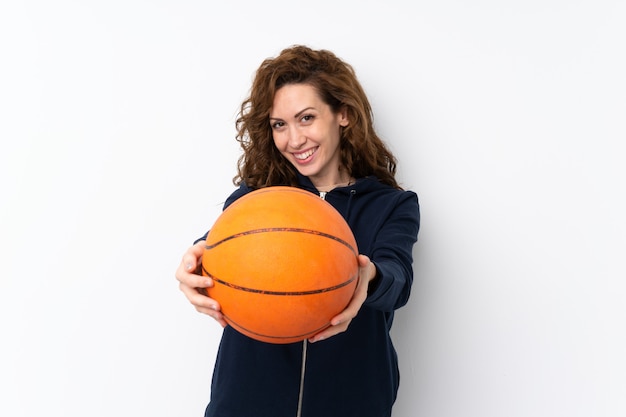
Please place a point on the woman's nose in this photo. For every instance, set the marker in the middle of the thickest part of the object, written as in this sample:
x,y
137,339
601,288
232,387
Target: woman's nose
x,y
296,138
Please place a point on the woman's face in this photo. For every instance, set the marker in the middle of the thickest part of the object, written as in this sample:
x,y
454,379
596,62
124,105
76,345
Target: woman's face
x,y
307,133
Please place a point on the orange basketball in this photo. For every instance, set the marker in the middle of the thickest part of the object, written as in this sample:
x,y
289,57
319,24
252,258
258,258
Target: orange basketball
x,y
284,262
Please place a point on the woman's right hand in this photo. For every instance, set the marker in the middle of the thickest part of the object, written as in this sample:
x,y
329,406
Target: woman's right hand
x,y
193,285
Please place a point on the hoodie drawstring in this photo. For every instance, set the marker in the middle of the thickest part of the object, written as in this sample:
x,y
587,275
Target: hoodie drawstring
x,y
301,393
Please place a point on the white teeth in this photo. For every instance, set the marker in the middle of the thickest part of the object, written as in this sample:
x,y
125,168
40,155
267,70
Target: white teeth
x,y
304,155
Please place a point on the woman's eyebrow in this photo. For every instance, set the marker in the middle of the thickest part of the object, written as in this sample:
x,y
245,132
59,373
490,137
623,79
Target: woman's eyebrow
x,y
297,115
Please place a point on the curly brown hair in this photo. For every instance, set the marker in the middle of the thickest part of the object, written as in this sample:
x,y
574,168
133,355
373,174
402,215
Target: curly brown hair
x,y
363,153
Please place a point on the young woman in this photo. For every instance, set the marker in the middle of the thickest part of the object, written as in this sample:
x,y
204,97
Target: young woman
x,y
308,123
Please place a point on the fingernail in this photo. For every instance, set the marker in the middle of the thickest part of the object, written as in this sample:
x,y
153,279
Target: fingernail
x,y
188,267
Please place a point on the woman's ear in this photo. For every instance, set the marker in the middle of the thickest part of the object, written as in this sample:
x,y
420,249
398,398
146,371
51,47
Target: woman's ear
x,y
343,117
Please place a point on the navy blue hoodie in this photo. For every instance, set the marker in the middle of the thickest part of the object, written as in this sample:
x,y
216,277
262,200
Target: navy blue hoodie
x,y
354,373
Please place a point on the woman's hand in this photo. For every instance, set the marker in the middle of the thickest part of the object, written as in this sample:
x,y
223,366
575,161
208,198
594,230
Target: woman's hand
x,y
340,323
193,285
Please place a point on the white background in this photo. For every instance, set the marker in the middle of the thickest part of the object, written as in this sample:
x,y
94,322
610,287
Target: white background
x,y
117,151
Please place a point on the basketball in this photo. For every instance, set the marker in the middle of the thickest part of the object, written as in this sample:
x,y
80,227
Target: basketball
x,y
283,262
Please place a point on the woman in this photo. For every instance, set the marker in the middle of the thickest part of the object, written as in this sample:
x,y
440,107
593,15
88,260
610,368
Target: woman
x,y
308,123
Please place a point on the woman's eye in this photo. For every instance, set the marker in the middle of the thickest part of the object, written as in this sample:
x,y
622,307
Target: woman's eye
x,y
307,118
277,125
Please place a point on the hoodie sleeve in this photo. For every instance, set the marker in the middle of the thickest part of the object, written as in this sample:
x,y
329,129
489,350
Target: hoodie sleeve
x,y
393,253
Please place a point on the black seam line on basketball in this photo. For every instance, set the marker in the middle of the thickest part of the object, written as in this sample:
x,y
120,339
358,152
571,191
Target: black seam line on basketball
x,y
281,229
239,326
282,293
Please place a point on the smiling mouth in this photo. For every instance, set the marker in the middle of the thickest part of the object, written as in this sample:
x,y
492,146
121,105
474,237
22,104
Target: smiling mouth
x,y
304,155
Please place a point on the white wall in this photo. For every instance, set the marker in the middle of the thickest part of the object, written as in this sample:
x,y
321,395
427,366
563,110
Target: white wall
x,y
117,133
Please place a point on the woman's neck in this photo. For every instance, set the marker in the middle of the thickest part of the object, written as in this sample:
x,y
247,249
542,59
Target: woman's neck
x,y
340,182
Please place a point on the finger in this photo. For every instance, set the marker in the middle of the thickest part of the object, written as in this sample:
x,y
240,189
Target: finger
x,y
192,259
193,280
350,312
363,260
340,322
191,263
199,300
216,315
204,304
188,274
330,332
211,308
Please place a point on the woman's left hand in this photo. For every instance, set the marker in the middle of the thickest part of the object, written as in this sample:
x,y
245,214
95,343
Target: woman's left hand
x,y
340,323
